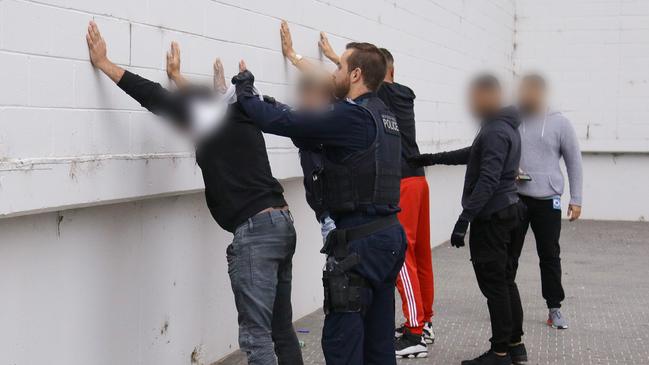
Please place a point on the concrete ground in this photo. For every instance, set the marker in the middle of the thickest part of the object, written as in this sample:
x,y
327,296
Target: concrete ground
x,y
606,278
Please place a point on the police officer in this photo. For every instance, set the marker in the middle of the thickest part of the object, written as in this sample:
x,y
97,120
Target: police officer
x,y
362,171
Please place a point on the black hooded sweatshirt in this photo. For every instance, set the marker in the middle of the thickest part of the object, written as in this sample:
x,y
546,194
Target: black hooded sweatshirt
x,y
234,162
400,99
492,163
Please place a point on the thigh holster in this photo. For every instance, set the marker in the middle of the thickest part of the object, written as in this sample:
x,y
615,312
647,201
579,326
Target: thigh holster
x,y
342,286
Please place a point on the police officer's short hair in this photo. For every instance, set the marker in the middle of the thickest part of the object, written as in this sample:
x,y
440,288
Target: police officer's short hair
x,y
388,56
485,82
370,60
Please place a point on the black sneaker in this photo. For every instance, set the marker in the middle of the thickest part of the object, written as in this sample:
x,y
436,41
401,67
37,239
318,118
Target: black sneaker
x,y
489,358
518,354
410,345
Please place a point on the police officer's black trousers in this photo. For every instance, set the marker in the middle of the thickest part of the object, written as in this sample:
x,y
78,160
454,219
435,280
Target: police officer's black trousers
x,y
495,255
367,338
545,221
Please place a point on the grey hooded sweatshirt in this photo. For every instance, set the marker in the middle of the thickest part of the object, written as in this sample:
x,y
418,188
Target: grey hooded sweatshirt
x,y
545,139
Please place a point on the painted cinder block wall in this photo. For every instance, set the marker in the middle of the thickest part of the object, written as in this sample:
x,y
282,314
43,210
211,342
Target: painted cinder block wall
x,y
596,56
108,254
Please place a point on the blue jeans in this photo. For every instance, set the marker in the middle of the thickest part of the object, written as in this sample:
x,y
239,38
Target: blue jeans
x,y
260,268
367,338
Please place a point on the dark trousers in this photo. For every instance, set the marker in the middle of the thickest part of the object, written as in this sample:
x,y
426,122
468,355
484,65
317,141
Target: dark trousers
x,y
546,226
260,265
495,256
367,338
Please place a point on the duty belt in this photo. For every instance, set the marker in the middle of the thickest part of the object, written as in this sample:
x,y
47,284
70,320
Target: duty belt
x,y
339,238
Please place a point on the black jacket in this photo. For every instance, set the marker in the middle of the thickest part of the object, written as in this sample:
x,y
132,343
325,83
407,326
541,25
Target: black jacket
x,y
492,163
312,165
343,129
401,99
234,161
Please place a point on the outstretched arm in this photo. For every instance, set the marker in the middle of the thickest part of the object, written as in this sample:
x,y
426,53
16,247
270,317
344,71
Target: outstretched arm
x,y
322,127
327,49
297,60
219,77
173,66
149,94
174,106
457,157
98,54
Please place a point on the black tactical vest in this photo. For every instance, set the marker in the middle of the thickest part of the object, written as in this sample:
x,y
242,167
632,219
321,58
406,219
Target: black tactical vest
x,y
367,181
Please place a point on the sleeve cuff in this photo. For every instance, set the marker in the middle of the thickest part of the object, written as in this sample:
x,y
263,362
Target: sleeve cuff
x,y
127,80
575,201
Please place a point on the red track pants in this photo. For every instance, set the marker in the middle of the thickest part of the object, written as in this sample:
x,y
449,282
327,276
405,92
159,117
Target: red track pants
x,y
415,281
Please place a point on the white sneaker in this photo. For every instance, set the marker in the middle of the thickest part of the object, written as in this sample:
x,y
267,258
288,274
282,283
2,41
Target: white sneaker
x,y
429,334
410,346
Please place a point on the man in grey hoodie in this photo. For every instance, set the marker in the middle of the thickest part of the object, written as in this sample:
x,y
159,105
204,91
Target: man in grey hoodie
x,y
546,137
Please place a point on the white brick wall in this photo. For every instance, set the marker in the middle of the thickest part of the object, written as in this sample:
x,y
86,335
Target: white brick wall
x,y
96,285
57,113
596,54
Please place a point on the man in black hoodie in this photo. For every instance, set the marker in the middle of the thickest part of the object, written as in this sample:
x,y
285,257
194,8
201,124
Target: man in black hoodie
x,y
242,195
491,206
415,281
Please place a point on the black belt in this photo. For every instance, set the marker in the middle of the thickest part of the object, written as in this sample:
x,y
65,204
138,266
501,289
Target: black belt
x,y
367,229
337,240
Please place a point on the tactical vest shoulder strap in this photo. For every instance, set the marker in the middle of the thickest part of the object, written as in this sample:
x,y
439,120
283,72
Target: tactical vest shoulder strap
x,y
363,104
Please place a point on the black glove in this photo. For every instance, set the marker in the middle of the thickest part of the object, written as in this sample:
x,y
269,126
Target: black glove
x,y
459,231
425,159
245,83
270,100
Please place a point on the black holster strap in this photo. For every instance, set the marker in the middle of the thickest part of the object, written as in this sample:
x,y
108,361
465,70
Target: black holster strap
x,y
367,229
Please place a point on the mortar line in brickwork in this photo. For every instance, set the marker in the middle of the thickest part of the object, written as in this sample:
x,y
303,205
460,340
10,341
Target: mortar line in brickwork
x,y
414,35
85,60
22,163
126,20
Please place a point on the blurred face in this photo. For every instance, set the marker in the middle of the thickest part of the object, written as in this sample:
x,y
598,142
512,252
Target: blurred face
x,y
531,97
484,103
314,97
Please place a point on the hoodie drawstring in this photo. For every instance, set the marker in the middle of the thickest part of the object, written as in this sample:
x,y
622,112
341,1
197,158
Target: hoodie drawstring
x,y
545,119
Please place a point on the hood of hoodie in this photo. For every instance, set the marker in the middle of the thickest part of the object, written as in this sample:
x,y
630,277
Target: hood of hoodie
x,y
400,99
399,91
511,116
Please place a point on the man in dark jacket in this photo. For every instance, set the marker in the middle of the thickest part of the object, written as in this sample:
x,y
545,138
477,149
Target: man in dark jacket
x,y
415,281
242,195
491,206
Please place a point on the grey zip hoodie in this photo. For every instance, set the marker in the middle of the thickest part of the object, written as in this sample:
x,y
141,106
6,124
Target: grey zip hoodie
x,y
545,139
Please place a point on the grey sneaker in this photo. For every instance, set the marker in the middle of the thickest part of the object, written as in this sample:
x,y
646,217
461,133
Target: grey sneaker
x,y
557,320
